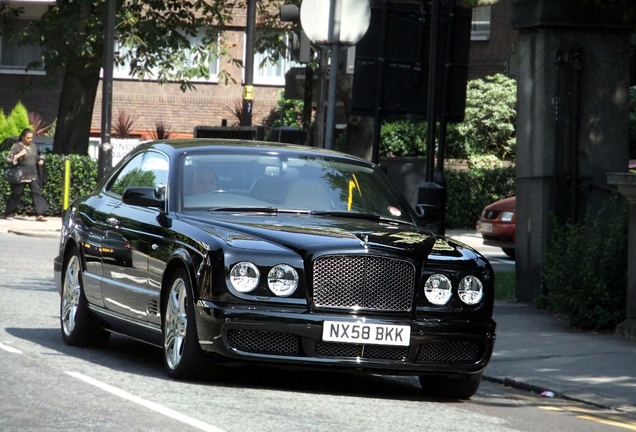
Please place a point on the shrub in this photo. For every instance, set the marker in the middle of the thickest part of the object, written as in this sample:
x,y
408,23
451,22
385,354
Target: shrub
x,y
288,112
585,268
468,192
489,121
8,127
403,138
20,117
83,180
488,127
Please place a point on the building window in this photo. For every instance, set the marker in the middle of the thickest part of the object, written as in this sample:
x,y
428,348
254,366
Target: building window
x,y
14,57
123,71
481,23
267,72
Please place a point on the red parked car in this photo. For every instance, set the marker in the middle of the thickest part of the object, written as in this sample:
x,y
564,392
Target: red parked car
x,y
497,225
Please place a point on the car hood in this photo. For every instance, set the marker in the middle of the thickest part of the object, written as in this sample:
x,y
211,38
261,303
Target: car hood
x,y
506,204
312,235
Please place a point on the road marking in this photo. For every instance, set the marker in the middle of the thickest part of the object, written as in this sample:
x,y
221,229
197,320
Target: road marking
x,y
10,349
145,403
608,422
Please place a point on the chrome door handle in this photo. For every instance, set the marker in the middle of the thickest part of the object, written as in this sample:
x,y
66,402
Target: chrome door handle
x,y
112,221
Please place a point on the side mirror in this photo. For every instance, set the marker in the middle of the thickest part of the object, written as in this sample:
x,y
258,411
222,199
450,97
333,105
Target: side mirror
x,y
429,216
143,197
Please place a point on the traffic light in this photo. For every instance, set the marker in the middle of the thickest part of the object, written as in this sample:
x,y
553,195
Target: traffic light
x,y
299,43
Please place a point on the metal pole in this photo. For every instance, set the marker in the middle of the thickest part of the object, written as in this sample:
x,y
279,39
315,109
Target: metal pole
x,y
319,140
105,159
333,75
432,78
248,85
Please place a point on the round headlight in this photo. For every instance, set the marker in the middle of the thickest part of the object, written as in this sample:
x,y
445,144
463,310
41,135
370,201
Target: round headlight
x,y
282,280
244,276
470,290
438,289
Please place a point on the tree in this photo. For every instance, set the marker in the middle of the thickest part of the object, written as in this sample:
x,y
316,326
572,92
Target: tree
x,y
154,38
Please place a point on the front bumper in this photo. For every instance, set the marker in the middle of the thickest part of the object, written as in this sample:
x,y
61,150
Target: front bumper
x,y
294,337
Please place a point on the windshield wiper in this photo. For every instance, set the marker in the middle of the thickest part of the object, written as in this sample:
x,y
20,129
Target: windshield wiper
x,y
357,215
255,209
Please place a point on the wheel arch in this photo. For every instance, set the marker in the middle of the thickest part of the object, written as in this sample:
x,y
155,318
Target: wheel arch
x,y
179,259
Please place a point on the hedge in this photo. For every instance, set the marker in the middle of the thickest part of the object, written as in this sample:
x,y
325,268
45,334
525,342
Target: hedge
x,y
83,180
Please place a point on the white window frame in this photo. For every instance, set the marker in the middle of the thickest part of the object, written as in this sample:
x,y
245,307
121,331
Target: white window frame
x,y
480,29
123,71
271,74
20,69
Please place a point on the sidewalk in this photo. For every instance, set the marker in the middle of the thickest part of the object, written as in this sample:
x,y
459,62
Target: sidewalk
x,y
28,226
533,350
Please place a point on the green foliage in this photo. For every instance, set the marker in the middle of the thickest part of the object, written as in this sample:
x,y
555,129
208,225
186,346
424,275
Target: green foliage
x,y
288,112
9,125
505,286
403,138
585,268
488,127
468,192
136,177
489,121
83,180
20,117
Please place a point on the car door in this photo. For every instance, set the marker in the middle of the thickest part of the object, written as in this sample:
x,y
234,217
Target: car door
x,y
127,241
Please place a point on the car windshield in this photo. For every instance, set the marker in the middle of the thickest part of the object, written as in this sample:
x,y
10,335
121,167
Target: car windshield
x,y
287,183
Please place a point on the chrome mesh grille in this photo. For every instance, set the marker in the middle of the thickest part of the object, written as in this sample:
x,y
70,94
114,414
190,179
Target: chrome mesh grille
x,y
366,282
450,352
264,342
328,349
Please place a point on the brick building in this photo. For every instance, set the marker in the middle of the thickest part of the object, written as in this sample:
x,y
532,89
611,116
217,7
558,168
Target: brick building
x,y
147,102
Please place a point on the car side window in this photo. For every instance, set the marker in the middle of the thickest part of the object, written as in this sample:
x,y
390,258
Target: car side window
x,y
146,169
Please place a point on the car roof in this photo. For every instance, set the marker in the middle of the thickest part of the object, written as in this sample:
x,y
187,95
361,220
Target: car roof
x,y
174,146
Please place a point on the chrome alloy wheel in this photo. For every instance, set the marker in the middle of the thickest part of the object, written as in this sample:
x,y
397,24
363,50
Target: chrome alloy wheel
x,y
176,323
71,292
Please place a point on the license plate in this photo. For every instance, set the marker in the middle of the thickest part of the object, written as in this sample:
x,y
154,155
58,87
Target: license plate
x,y
356,332
485,227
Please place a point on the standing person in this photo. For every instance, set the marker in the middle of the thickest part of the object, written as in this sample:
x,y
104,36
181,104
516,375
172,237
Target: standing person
x,y
26,155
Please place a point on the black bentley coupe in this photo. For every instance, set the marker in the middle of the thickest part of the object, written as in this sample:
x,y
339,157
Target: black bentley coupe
x,y
225,252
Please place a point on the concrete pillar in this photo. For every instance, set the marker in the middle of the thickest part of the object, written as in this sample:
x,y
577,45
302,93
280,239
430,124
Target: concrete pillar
x,y
627,187
572,121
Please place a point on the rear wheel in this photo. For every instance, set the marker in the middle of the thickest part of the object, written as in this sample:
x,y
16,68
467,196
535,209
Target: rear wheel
x,y
77,325
457,386
182,356
509,251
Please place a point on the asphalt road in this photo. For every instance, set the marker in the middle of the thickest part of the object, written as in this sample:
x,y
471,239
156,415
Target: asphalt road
x,y
50,386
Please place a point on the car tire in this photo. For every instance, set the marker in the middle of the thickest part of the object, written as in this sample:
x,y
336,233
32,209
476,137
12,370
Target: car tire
x,y
509,251
77,325
457,386
182,355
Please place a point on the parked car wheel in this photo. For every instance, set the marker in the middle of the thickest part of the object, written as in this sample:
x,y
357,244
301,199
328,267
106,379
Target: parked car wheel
x,y
181,352
78,328
451,386
509,251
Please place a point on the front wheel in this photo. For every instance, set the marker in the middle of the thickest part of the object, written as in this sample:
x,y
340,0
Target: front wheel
x,y
77,325
456,386
182,354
